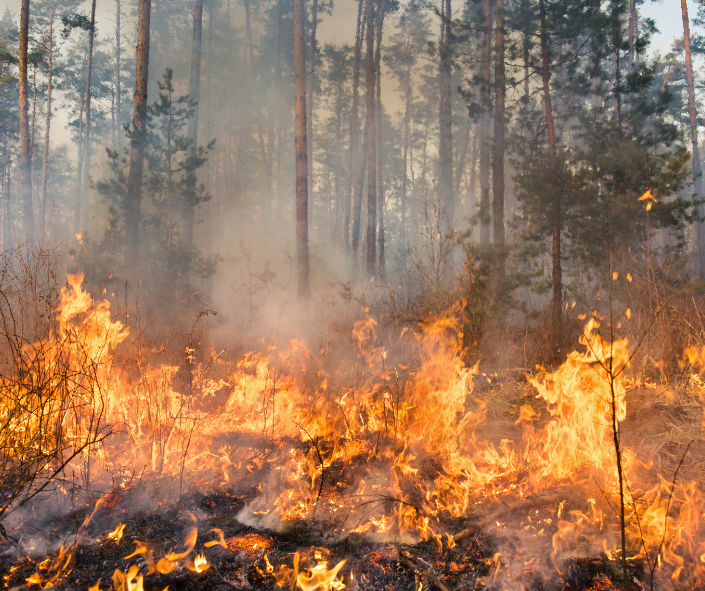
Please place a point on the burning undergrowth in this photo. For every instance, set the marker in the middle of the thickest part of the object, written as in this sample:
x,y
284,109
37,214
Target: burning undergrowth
x,y
371,463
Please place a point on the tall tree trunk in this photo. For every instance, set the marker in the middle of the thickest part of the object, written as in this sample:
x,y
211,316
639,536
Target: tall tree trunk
x,y
304,289
7,195
25,140
616,44
460,167
118,74
139,124
352,156
338,160
632,34
499,125
371,141
195,94
485,126
45,156
378,128
309,99
274,110
84,199
557,303
697,167
33,125
445,144
407,135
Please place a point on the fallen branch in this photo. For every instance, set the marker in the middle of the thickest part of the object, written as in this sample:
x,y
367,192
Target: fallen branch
x,y
424,574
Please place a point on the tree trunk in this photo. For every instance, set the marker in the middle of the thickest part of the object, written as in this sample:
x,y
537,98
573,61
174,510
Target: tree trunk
x,y
445,144
118,46
139,123
85,197
33,126
301,150
371,141
378,126
338,161
499,125
309,99
557,303
195,94
461,162
407,135
25,140
7,195
352,156
697,168
485,126
616,43
632,34
45,156
275,124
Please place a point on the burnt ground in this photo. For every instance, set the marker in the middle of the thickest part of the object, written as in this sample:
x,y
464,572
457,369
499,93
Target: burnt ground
x,y
470,564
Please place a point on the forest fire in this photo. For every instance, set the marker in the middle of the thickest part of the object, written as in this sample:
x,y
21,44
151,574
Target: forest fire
x,y
389,447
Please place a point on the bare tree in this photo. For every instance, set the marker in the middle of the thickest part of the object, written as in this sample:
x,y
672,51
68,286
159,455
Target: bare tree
x,y
692,113
304,289
371,140
378,125
311,81
485,125
195,94
83,197
499,126
25,139
557,303
445,145
50,80
355,174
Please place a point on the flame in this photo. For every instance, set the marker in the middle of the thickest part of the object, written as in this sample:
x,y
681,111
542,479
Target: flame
x,y
117,533
404,408
130,581
200,564
171,560
219,542
317,578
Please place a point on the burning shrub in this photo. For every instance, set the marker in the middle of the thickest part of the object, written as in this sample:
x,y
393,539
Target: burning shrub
x,y
53,393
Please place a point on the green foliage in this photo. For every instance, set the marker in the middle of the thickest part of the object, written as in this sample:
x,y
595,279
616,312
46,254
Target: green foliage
x,y
170,192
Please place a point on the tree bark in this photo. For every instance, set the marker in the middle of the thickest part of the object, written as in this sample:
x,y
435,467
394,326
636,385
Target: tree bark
x,y
25,140
352,157
304,289
338,160
85,196
139,122
485,126
445,144
378,126
309,99
195,94
118,47
407,135
47,132
557,302
692,113
632,34
616,43
499,125
371,141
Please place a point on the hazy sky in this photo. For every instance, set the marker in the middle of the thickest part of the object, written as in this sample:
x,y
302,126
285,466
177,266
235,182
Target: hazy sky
x,y
341,26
